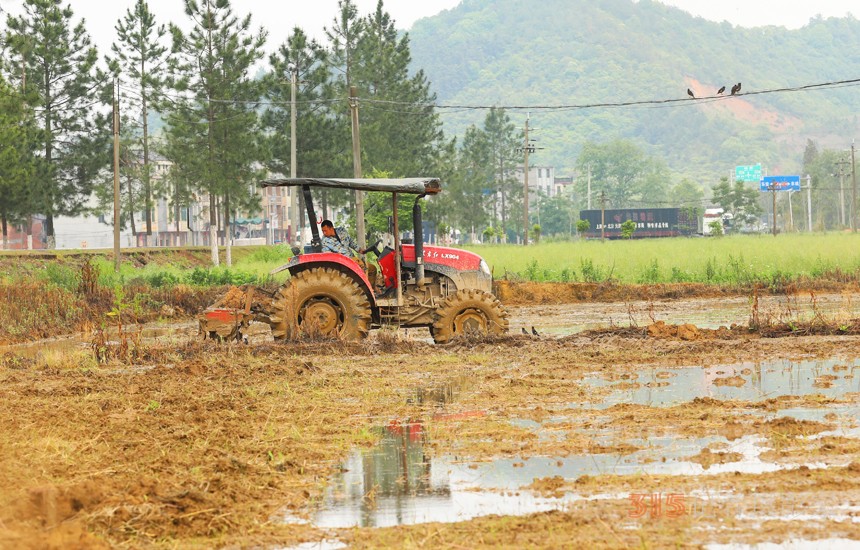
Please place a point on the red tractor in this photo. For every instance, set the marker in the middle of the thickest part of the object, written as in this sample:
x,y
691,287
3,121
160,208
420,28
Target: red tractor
x,y
447,290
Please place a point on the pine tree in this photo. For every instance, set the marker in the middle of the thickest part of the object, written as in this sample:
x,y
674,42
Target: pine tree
x,y
401,131
473,182
343,36
212,131
18,140
139,61
502,141
323,146
59,64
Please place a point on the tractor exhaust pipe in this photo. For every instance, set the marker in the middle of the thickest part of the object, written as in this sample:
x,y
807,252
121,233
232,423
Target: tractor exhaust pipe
x,y
418,239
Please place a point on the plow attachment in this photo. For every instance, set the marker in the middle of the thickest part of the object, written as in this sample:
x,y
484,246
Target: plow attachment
x,y
227,318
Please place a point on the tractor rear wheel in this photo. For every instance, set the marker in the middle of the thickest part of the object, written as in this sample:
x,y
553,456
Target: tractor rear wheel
x,y
469,311
320,301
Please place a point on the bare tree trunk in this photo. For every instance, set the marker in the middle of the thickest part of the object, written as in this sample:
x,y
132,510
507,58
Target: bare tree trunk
x,y
504,219
131,210
213,229
29,232
228,231
49,229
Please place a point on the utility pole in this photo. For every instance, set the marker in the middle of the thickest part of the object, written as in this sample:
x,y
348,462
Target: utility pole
x,y
356,166
297,215
526,185
773,190
602,215
790,214
809,202
116,176
853,191
527,149
841,165
589,186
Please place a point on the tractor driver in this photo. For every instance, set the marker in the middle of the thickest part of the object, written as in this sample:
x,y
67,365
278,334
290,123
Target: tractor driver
x,y
338,240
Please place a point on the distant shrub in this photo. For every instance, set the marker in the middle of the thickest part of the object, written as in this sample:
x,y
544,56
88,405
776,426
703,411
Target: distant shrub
x,y
219,276
161,279
716,228
62,276
681,276
651,274
532,271
590,272
627,229
582,226
270,254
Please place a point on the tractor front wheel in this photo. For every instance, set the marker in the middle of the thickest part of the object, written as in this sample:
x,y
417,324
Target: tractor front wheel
x,y
469,311
320,301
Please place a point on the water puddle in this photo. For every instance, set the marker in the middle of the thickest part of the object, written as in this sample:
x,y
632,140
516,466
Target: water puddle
x,y
398,481
153,332
325,544
792,544
32,350
566,319
661,387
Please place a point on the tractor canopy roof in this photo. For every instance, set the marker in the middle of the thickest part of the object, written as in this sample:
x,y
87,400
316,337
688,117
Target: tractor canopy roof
x,y
415,186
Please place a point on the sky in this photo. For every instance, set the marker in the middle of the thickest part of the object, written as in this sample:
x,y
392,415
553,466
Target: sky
x,y
278,17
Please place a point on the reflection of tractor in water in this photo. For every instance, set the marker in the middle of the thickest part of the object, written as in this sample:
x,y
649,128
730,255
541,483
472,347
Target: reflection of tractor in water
x,y
445,289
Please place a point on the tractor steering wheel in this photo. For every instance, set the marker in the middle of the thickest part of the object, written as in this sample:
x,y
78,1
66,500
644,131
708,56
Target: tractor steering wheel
x,y
374,248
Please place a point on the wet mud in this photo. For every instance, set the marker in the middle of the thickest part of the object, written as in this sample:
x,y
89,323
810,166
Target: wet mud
x,y
614,424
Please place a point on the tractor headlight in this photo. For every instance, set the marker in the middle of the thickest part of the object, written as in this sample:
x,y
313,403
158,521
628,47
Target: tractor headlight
x,y
485,268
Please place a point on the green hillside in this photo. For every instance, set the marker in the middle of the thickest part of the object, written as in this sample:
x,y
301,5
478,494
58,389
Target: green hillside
x,y
579,52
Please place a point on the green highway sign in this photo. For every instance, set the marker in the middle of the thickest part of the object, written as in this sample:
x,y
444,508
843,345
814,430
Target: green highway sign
x,y
748,173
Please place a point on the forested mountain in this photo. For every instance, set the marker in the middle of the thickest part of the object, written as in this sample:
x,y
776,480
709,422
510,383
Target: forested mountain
x,y
580,52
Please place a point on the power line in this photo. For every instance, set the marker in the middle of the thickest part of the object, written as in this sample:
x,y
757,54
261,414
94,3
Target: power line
x,y
673,102
685,101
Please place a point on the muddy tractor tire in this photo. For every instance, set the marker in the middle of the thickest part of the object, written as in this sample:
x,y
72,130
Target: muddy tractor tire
x,y
469,311
323,302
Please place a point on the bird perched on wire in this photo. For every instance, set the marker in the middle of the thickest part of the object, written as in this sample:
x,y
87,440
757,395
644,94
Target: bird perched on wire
x,y
736,88
535,332
524,331
721,90
690,93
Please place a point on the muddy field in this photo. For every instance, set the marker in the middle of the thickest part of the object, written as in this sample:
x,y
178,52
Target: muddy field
x,y
624,424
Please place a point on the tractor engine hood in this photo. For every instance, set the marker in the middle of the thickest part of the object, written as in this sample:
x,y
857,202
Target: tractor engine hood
x,y
461,260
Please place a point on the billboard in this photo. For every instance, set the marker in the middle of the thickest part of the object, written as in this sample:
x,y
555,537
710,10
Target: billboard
x,y
650,222
748,173
780,183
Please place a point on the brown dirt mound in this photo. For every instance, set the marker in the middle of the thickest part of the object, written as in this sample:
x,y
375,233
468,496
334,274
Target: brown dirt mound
x,y
787,426
707,458
530,293
523,293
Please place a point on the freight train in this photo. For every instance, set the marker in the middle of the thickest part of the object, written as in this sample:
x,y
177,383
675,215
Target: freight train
x,y
650,222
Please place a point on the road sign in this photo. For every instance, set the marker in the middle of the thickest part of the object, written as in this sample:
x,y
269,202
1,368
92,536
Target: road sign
x,y
748,173
780,183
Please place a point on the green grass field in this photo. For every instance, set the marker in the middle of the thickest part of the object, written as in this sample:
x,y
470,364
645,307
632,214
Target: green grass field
x,y
731,260
741,259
